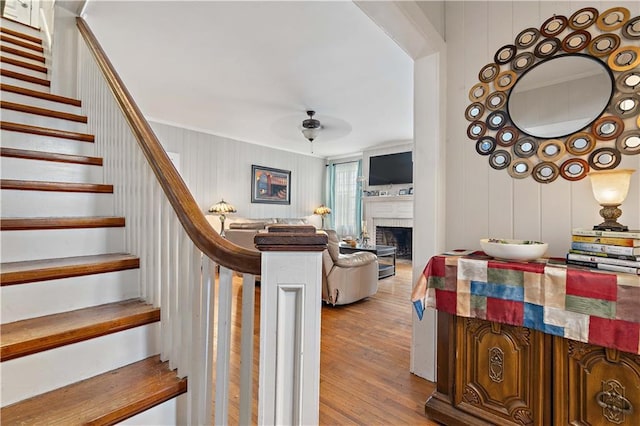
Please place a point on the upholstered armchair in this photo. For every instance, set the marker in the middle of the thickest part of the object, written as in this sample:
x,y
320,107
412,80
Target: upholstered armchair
x,y
347,278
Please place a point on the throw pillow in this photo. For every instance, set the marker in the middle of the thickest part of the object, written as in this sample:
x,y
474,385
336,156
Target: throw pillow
x,y
292,221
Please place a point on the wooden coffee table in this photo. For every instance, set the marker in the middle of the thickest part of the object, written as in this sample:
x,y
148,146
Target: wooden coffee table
x,y
386,257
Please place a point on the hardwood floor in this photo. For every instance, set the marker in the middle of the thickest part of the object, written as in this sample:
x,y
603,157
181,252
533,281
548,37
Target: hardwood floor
x,y
365,350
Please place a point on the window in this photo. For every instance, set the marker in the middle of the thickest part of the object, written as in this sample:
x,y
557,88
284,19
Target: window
x,y
344,198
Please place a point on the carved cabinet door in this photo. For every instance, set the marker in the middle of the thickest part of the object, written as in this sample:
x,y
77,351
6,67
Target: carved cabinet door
x,y
500,374
595,386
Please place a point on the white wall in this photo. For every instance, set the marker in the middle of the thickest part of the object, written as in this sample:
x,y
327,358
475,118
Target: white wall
x,y
64,49
214,167
482,202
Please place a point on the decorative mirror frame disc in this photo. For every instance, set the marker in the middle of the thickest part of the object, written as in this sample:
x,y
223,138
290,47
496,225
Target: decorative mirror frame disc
x,y
610,38
583,18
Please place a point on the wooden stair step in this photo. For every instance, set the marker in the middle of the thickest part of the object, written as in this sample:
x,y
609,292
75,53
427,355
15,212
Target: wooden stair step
x,y
40,95
25,77
31,185
37,223
23,64
19,34
19,52
46,131
105,399
52,269
34,335
43,111
50,156
26,44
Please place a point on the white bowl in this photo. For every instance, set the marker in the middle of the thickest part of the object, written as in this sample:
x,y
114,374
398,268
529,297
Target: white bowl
x,y
513,249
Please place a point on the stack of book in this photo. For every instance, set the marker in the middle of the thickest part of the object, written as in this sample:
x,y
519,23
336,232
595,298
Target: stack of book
x,y
607,250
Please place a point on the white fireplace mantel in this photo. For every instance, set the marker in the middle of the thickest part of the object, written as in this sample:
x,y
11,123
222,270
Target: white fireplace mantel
x,y
388,211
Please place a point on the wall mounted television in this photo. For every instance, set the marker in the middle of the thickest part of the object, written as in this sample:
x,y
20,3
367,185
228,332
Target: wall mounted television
x,y
391,169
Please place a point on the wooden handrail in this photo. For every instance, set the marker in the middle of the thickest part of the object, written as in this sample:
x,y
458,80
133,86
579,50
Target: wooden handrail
x,y
195,224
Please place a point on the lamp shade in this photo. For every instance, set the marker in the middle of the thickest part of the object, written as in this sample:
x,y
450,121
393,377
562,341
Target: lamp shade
x,y
322,210
610,187
222,207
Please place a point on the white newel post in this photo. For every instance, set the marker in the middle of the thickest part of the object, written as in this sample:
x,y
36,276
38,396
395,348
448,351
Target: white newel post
x,y
290,308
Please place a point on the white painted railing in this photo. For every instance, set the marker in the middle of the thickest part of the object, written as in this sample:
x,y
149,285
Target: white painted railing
x,y
177,249
174,273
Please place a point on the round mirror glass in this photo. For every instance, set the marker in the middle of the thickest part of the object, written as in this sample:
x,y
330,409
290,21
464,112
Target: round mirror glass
x,y
580,143
560,96
574,169
520,168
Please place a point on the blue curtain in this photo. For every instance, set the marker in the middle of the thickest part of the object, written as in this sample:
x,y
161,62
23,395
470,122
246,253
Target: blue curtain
x,y
329,221
359,189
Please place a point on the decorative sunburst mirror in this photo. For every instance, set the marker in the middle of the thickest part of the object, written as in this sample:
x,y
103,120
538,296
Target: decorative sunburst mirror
x,y
562,99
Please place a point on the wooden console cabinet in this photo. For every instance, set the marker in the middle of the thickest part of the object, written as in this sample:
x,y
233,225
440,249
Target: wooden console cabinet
x,y
492,373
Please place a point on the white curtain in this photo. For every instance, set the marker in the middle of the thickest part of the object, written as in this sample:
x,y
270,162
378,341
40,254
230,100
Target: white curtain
x,y
345,199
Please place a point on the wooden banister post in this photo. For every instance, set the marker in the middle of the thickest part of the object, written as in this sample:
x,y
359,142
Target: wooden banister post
x,y
291,303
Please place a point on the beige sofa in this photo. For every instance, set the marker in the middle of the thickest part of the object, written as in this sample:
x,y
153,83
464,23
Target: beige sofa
x,y
241,231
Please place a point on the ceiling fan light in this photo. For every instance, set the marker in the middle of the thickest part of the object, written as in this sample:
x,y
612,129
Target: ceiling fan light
x,y
311,134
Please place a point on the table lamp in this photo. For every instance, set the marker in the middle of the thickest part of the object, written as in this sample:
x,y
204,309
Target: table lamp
x,y
222,208
322,211
610,188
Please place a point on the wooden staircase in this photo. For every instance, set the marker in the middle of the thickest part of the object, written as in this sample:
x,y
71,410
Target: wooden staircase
x,y
77,343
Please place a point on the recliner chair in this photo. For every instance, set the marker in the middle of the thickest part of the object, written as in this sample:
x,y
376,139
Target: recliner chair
x,y
347,278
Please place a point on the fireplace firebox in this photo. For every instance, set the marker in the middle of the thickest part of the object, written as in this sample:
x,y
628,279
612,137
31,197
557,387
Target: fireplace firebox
x,y
399,237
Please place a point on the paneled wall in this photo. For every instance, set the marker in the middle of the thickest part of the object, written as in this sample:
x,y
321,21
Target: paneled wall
x,y
482,202
214,167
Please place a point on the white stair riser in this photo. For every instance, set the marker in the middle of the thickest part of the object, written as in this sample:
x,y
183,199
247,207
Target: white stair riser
x,y
21,28
25,84
51,171
40,103
23,70
19,41
46,143
23,59
16,203
30,300
52,243
44,371
42,121
164,414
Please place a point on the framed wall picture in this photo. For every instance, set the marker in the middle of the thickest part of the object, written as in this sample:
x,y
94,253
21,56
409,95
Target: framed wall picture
x,y
271,186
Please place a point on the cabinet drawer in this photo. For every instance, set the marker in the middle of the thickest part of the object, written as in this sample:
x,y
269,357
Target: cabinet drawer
x,y
595,385
500,374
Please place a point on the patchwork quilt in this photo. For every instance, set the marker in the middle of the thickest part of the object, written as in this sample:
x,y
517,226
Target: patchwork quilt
x,y
591,306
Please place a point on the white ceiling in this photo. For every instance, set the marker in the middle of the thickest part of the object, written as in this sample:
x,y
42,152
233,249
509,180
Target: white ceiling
x,y
250,70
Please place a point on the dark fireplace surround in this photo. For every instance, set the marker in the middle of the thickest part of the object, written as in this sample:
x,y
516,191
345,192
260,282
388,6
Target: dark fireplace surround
x,y
399,237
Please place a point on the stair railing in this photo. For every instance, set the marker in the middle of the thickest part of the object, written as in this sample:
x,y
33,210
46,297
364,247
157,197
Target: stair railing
x,y
179,251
